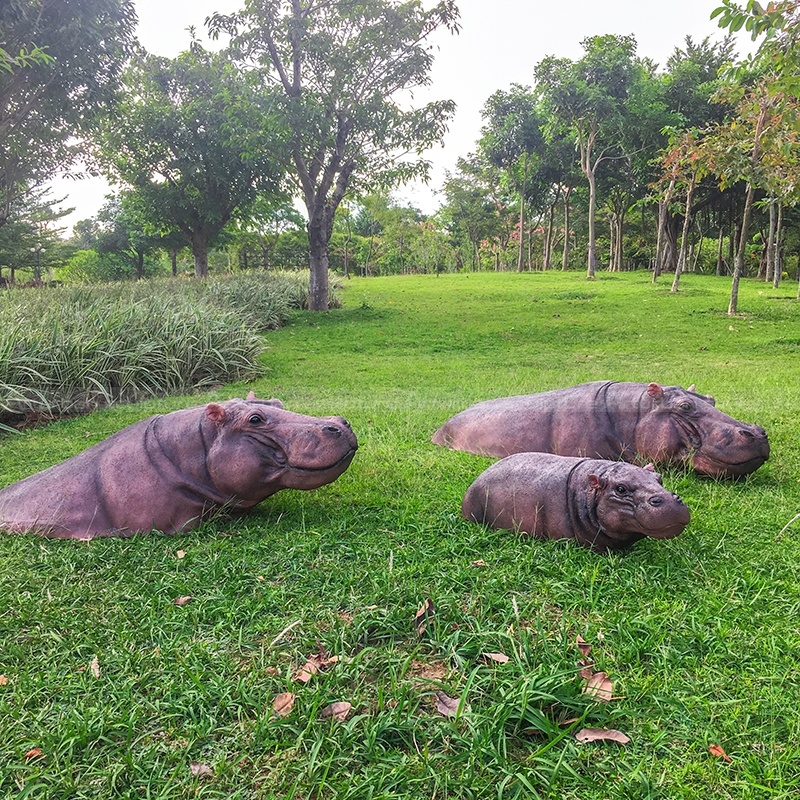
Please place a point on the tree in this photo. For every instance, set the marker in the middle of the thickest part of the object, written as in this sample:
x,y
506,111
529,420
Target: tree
x,y
60,63
512,135
340,66
590,95
194,138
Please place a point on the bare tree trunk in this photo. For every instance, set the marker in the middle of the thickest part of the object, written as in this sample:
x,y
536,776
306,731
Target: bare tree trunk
x,y
777,260
738,269
565,253
771,242
719,251
548,242
319,264
520,254
661,243
612,257
591,256
687,219
200,253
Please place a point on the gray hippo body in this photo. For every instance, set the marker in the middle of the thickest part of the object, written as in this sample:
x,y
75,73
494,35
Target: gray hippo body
x,y
171,472
604,505
618,421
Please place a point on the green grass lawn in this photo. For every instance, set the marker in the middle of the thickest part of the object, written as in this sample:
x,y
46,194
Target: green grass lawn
x,y
699,634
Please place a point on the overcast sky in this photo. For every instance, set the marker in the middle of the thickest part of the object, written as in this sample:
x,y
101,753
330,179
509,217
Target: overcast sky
x,y
499,44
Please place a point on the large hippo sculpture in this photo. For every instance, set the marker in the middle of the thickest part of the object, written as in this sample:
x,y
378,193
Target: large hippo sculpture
x,y
172,471
604,505
618,421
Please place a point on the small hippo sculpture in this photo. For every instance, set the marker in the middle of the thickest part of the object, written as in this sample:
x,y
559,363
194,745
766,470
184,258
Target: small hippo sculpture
x,y
170,472
604,505
617,421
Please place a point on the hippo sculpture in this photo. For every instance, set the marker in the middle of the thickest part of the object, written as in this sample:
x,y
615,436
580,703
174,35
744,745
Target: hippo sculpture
x,y
618,421
604,505
170,472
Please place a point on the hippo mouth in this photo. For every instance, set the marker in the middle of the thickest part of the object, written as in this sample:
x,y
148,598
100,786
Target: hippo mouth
x,y
343,461
708,465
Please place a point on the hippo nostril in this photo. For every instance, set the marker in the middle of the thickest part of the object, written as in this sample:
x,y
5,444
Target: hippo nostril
x,y
346,423
332,429
656,501
746,434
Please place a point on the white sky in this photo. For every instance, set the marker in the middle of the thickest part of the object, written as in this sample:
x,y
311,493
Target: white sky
x,y
499,44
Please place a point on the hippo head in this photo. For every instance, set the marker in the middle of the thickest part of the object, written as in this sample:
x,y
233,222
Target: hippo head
x,y
259,448
685,426
630,502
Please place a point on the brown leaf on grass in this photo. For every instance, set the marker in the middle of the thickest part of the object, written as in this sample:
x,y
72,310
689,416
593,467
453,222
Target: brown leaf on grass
x,y
35,753
446,705
583,645
180,553
586,672
424,616
182,601
313,665
200,770
716,750
283,704
569,721
272,671
601,735
599,687
498,658
337,711
94,666
479,563
3,680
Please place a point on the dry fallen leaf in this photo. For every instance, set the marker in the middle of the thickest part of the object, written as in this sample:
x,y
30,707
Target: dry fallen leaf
x,y
583,645
424,616
338,711
499,658
272,671
313,665
599,687
283,704
94,666
479,563
180,553
601,735
3,680
35,753
569,721
446,705
200,770
182,601
716,750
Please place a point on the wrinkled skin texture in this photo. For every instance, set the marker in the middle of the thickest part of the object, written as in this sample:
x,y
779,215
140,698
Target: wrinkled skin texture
x,y
604,505
617,421
171,472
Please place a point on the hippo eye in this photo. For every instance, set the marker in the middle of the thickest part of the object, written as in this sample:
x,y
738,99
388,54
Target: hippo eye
x,y
684,406
621,489
255,420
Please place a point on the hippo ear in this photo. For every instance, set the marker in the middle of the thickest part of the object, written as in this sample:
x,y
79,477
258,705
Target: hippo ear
x,y
251,395
691,388
655,391
649,467
216,413
595,482
273,401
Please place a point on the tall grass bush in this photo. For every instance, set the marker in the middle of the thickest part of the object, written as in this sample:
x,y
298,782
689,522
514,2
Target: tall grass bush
x,y
67,349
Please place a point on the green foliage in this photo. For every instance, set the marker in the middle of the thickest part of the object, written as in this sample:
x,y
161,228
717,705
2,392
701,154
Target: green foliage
x,y
698,634
60,63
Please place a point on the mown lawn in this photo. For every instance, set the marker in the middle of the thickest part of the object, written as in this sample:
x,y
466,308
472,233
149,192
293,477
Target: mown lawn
x,y
698,634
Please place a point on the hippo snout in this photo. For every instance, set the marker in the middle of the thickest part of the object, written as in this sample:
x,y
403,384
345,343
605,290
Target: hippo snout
x,y
656,501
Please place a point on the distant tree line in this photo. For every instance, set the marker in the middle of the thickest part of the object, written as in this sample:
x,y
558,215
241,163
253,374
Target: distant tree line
x,y
602,162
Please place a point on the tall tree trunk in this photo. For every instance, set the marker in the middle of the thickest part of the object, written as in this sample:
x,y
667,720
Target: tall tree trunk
x,y
319,263
687,218
550,235
565,253
773,219
612,232
661,236
738,269
719,251
591,255
777,260
520,254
